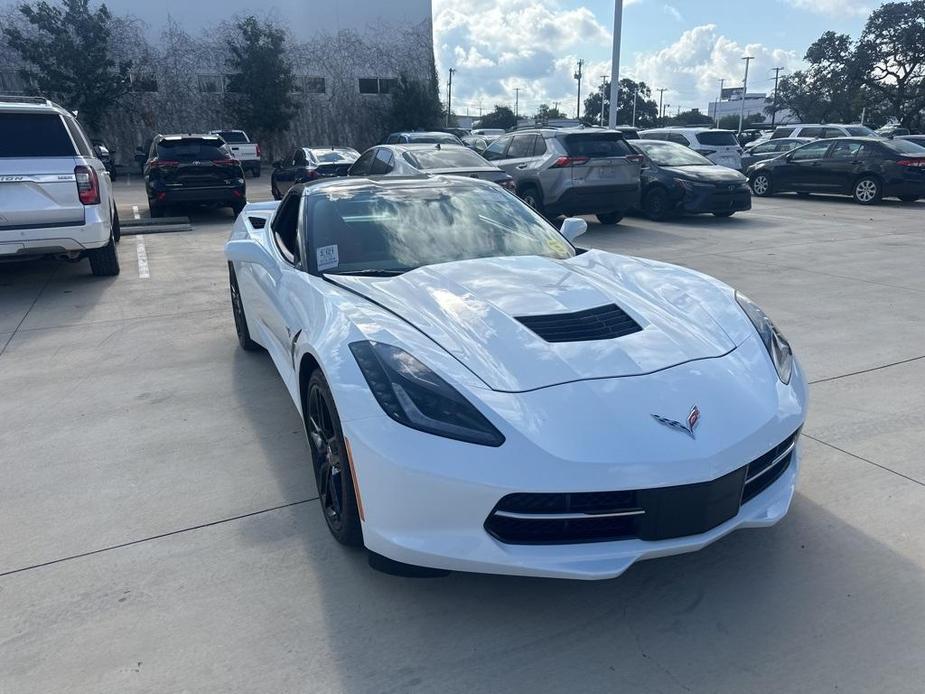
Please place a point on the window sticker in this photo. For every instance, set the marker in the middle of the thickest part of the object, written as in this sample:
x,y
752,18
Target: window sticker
x,y
327,257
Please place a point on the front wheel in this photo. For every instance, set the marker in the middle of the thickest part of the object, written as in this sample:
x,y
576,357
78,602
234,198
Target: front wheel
x,y
336,492
655,204
761,185
867,191
610,217
237,309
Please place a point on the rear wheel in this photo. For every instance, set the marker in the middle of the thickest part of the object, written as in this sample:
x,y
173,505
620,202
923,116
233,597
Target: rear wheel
x,y
610,217
655,204
116,227
255,172
104,262
908,198
155,211
761,185
237,208
336,492
867,191
532,196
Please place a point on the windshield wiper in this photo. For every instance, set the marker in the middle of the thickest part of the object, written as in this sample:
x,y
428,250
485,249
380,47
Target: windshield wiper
x,y
372,272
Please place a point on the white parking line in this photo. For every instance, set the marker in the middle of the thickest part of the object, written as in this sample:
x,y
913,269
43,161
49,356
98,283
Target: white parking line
x,y
142,257
135,212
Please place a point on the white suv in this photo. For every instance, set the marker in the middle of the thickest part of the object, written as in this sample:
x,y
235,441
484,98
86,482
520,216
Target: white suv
x,y
719,146
818,131
55,194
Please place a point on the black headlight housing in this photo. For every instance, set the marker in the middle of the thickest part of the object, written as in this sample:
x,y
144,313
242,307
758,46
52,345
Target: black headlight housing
x,y
413,395
774,341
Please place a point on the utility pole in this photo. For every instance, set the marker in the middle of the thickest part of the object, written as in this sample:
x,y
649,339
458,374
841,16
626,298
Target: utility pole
x,y
716,108
635,99
449,97
615,63
748,59
517,103
578,77
661,94
774,107
603,82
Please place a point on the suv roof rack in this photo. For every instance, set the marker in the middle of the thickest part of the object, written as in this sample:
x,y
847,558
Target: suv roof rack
x,y
15,99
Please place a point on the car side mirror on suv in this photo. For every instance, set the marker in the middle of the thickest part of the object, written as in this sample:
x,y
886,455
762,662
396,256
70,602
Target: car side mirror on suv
x,y
573,227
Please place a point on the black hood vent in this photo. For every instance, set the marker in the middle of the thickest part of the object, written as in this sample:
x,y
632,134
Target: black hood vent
x,y
601,323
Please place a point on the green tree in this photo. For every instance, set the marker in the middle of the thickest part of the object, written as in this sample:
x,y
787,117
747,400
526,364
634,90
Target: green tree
x,y
259,91
731,122
500,117
545,113
67,51
646,108
416,104
693,117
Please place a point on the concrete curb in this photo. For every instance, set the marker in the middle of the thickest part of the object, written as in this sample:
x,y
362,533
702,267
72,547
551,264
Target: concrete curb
x,y
162,225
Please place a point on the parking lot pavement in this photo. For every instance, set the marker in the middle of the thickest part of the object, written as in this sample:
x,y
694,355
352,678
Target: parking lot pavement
x,y
160,531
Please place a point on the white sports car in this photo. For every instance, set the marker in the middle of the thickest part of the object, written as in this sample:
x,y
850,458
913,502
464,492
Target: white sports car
x,y
480,395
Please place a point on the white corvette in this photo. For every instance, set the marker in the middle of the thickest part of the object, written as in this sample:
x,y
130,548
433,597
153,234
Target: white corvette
x,y
481,396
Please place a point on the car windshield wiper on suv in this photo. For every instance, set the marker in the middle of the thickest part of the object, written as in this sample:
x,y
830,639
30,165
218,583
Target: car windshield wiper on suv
x,y
372,272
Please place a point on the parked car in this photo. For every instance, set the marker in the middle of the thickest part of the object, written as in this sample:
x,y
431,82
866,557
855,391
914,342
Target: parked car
x,y
458,132
817,131
488,132
105,155
310,163
719,146
435,160
630,132
569,171
423,137
479,396
193,169
55,196
478,143
915,139
770,149
893,131
676,179
867,168
246,152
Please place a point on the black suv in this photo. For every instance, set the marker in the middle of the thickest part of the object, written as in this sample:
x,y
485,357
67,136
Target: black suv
x,y
193,169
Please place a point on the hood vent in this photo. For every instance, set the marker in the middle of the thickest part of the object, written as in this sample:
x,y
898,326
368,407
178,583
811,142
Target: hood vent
x,y
601,323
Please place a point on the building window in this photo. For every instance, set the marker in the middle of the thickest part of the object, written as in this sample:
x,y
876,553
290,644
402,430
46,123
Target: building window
x,y
211,84
309,85
377,85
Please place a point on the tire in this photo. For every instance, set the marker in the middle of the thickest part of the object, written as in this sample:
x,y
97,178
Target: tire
x,y
275,193
255,172
867,190
336,491
724,214
761,185
237,310
116,227
908,198
237,208
534,198
655,204
610,217
104,262
155,211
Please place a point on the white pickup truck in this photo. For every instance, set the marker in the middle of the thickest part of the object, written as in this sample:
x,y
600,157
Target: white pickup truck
x,y
245,151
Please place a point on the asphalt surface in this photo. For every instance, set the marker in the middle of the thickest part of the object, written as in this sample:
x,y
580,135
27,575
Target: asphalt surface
x,y
159,530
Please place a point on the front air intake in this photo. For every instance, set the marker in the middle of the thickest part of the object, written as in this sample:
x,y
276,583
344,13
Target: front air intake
x,y
601,323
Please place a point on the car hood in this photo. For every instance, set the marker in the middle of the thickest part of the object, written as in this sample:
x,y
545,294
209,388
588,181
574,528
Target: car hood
x,y
470,307
706,174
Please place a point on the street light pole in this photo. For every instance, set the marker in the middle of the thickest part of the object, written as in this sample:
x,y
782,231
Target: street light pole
x,y
615,63
774,107
449,97
716,108
661,94
635,99
516,103
578,77
603,82
748,59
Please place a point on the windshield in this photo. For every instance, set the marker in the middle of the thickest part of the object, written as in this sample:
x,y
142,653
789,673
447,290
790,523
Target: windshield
x,y
233,137
670,154
717,138
398,229
446,159
860,131
328,156
192,150
905,147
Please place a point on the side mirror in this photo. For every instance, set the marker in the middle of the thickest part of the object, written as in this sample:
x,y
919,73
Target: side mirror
x,y
277,164
242,251
573,227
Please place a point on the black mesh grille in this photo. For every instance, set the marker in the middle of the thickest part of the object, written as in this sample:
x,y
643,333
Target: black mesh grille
x,y
668,512
601,323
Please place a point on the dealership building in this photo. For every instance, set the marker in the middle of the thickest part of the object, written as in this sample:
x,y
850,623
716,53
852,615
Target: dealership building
x,y
346,55
730,104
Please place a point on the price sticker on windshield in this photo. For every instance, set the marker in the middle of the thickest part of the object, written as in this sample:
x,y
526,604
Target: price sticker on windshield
x,y
327,257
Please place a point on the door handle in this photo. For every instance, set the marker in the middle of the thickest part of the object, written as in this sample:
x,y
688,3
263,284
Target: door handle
x,y
521,166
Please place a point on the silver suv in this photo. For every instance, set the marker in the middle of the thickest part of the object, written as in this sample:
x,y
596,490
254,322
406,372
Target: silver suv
x,y
571,171
55,194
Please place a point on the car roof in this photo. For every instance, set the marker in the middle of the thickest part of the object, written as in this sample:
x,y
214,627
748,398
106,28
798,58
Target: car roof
x,y
31,104
188,136
384,183
690,129
430,146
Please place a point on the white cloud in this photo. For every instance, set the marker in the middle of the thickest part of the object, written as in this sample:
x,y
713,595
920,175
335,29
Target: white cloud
x,y
674,12
692,67
833,8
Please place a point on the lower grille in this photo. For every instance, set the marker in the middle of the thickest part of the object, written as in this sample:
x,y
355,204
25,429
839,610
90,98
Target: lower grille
x,y
646,514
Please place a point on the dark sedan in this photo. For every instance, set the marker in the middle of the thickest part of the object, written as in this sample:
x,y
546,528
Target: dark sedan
x,y
866,168
675,179
771,149
308,164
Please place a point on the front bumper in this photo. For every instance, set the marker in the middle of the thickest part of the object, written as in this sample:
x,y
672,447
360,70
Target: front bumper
x,y
426,499
721,198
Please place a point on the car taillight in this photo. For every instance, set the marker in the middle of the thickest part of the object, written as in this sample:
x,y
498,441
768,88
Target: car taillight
x,y
162,164
311,174
258,150
635,158
88,185
564,162
919,163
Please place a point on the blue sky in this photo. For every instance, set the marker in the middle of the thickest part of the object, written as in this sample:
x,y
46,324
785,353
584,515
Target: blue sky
x,y
686,46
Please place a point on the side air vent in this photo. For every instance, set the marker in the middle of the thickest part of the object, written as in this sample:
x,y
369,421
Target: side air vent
x,y
601,323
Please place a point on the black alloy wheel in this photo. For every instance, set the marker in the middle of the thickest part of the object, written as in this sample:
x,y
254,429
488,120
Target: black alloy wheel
x,y
237,308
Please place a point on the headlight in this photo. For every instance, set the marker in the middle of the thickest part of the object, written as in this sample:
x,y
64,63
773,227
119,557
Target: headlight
x,y
413,395
773,340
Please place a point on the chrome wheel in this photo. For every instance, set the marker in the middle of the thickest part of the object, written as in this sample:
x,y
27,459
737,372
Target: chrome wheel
x,y
329,458
866,191
761,185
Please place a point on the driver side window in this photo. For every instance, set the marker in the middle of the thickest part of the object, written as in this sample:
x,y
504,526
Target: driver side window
x,y
361,166
285,227
497,148
815,150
